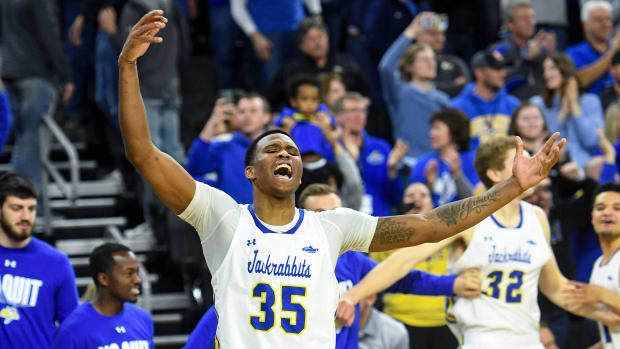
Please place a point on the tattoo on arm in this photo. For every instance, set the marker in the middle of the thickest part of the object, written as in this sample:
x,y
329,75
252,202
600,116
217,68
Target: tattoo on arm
x,y
390,231
452,213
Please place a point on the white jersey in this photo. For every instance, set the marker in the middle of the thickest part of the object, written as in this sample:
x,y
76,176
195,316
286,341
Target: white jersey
x,y
607,276
510,261
274,286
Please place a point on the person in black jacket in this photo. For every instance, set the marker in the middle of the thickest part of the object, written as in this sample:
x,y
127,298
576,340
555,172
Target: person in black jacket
x,y
313,42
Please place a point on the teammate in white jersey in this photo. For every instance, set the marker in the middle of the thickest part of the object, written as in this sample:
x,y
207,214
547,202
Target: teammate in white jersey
x,y
604,287
273,264
512,250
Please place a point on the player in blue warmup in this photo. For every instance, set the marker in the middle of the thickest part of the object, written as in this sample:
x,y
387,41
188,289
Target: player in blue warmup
x,y
352,266
109,320
273,264
32,297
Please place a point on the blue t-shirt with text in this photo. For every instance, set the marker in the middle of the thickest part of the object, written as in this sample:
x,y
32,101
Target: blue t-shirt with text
x,y
86,328
37,289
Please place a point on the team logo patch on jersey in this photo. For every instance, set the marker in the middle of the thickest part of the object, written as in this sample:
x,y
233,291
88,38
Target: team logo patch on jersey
x,y
251,242
531,242
310,249
9,314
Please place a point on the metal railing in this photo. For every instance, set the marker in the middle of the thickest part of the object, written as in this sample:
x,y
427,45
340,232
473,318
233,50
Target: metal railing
x,y
49,130
147,292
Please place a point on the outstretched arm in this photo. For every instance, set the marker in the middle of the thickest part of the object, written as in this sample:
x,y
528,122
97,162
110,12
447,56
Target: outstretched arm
x,y
174,186
450,219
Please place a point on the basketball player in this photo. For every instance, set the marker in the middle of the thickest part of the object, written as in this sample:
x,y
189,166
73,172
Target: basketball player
x,y
604,287
273,264
350,268
511,248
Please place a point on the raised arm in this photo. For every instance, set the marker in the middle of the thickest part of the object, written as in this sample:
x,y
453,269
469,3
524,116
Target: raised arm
x,y
450,219
174,186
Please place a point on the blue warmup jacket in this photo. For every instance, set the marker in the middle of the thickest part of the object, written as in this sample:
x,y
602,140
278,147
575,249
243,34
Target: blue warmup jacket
x,y
381,191
226,158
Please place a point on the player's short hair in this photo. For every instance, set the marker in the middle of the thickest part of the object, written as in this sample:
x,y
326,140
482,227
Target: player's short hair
x,y
591,5
101,259
16,184
315,189
605,187
458,126
250,154
251,95
300,80
509,11
304,27
492,155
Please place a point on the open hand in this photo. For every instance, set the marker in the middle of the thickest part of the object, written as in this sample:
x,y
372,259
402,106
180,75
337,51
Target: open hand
x,y
579,293
530,170
142,35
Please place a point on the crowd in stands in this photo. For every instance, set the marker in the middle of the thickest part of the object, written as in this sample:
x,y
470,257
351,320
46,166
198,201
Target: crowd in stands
x,y
388,101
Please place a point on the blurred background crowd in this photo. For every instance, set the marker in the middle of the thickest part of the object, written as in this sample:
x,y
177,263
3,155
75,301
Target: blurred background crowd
x,y
380,95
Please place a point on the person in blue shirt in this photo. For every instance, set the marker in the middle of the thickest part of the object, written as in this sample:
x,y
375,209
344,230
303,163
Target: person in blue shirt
x,y
223,155
352,266
486,102
376,160
592,57
110,320
449,169
37,282
6,118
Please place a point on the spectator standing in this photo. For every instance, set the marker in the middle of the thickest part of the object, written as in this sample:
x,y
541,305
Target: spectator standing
x,y
568,111
452,71
449,169
376,160
110,319
33,65
523,51
271,25
316,58
407,76
486,102
160,81
32,299
592,56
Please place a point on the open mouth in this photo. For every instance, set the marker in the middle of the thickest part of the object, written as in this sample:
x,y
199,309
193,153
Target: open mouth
x,y
283,171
